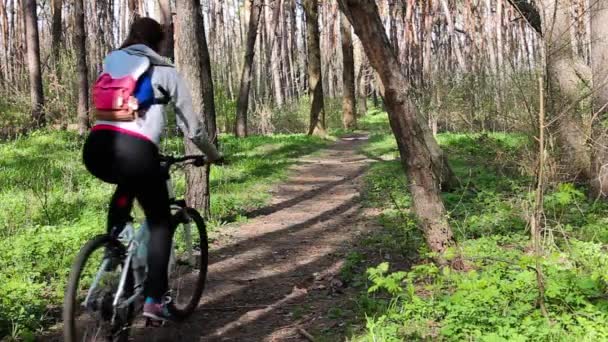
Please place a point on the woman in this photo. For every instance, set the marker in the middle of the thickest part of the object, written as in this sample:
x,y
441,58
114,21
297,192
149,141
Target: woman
x,y
125,152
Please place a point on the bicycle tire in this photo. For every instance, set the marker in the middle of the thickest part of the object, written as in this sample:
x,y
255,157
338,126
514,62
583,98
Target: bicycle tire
x,y
180,312
71,305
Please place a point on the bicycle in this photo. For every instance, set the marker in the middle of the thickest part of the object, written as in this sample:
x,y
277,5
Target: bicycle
x,y
105,286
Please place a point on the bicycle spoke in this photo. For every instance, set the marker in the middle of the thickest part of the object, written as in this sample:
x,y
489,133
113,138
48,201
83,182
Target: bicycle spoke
x,y
91,314
186,265
189,263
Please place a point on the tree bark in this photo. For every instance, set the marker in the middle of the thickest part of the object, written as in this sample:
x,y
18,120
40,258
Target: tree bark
x,y
392,14
81,67
194,66
243,100
451,32
349,109
421,156
293,46
286,52
166,19
568,76
363,83
56,31
33,61
315,79
499,41
428,42
599,67
274,28
133,10
6,41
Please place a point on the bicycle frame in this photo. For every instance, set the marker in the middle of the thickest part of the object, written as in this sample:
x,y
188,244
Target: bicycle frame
x,y
129,237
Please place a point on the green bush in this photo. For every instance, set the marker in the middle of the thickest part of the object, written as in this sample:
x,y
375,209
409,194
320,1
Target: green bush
x,y
497,300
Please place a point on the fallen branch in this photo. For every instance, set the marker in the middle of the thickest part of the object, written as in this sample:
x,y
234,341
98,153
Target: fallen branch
x,y
306,335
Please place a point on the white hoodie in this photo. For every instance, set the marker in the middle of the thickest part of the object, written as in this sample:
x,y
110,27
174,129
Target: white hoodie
x,y
152,125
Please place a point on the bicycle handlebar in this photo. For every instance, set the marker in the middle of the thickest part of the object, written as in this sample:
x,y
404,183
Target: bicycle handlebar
x,y
197,160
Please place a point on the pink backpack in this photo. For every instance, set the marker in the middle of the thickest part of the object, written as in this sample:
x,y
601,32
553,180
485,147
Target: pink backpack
x,y
114,91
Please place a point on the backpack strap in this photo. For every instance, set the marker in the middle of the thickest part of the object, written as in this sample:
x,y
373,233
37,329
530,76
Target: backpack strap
x,y
165,99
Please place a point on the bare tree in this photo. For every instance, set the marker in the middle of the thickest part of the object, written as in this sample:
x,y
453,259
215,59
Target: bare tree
x,y
81,67
421,156
242,105
6,42
56,30
349,108
451,33
274,29
33,61
193,62
166,19
134,10
599,66
315,80
567,74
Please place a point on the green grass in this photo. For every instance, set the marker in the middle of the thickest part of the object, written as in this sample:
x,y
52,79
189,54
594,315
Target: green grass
x,y
50,205
496,298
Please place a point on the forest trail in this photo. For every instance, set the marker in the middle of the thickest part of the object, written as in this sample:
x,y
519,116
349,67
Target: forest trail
x,y
278,271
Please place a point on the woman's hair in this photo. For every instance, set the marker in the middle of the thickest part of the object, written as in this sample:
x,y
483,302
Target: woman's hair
x,y
145,31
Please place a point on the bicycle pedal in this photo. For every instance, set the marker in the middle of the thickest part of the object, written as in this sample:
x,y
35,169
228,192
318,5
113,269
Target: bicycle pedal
x,y
153,323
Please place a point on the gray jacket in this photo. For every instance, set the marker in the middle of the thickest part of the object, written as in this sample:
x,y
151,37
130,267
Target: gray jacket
x,y
153,123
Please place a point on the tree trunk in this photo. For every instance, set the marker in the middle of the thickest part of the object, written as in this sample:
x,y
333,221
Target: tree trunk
x,y
392,14
5,39
499,41
303,55
293,46
133,10
81,67
166,19
243,100
349,109
194,66
568,76
428,42
451,31
315,80
490,38
56,40
599,66
421,156
363,83
285,52
33,61
275,52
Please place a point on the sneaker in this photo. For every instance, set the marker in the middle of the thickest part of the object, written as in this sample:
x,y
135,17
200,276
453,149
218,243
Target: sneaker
x,y
157,311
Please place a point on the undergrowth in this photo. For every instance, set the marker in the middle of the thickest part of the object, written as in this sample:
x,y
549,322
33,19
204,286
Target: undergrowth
x,y
496,297
50,205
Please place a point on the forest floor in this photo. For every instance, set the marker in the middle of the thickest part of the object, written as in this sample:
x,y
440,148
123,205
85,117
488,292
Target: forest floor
x,y
276,277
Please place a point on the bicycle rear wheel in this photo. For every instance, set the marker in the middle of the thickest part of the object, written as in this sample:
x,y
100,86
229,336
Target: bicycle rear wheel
x,y
188,269
88,311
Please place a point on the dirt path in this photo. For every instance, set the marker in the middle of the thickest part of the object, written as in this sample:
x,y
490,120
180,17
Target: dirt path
x,y
275,273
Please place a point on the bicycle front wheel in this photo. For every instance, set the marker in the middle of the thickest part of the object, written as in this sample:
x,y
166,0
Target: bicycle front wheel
x,y
88,310
189,262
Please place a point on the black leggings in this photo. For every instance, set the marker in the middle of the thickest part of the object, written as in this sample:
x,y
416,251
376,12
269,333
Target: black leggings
x,y
133,164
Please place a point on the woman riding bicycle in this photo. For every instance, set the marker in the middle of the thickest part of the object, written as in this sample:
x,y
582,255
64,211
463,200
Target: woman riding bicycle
x,y
122,147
